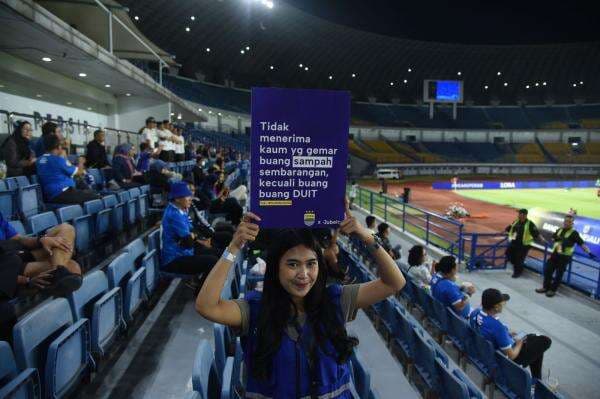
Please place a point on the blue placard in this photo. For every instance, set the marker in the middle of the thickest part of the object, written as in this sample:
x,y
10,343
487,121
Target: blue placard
x,y
506,185
299,154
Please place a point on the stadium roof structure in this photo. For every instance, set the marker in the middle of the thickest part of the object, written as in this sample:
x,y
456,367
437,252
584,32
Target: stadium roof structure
x,y
246,42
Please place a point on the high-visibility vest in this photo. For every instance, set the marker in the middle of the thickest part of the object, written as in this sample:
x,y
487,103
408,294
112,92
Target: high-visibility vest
x,y
558,246
527,237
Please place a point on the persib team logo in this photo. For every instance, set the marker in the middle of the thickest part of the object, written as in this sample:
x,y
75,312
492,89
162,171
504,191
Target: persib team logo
x,y
586,229
309,218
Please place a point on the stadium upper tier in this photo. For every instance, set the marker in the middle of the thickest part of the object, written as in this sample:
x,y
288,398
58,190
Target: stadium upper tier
x,y
398,115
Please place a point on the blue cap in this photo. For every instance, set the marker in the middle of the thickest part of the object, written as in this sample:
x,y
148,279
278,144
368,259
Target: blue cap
x,y
178,190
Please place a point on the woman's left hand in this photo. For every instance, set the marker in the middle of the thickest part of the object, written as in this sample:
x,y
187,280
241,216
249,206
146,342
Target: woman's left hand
x,y
351,225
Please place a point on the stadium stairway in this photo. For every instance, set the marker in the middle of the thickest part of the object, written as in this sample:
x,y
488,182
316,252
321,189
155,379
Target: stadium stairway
x,y
569,319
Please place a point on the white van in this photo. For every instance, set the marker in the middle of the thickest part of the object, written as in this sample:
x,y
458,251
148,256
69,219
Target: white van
x,y
388,174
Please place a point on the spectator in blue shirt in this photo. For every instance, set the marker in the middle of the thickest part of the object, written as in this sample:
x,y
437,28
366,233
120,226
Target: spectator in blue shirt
x,y
47,260
525,350
48,128
143,163
56,174
178,237
444,287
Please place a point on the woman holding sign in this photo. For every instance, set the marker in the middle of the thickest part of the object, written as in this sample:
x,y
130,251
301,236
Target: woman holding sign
x,y
294,335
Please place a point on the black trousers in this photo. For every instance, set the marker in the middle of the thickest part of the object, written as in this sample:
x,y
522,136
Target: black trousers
x,y
532,353
554,270
516,254
197,265
73,196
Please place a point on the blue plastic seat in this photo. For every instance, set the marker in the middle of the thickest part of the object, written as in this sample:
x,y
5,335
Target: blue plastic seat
x,y
204,375
424,357
122,273
117,215
360,375
82,223
38,224
421,300
18,226
100,217
543,391
481,353
99,183
151,263
458,332
403,337
220,349
47,339
34,179
228,384
8,202
154,240
193,395
136,249
15,384
102,306
474,392
511,379
453,387
22,181
438,316
130,207
29,200
141,202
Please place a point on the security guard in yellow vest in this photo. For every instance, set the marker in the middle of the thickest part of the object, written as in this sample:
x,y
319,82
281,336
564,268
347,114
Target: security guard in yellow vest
x,y
564,239
521,234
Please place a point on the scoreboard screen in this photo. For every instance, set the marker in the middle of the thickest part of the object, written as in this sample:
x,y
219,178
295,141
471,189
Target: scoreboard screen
x,y
443,91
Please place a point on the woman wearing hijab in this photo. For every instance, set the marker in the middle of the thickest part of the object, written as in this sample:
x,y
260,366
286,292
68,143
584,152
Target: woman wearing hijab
x,y
123,167
20,160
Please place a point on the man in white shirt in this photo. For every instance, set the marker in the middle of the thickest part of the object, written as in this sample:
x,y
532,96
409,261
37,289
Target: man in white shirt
x,y
149,135
180,145
164,138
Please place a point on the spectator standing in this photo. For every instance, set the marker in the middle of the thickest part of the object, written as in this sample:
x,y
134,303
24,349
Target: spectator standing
x,y
20,160
96,152
56,174
444,287
150,136
521,234
525,350
47,128
564,241
179,145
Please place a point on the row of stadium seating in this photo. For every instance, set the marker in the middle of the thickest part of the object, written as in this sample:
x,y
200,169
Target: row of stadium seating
x,y
468,117
419,352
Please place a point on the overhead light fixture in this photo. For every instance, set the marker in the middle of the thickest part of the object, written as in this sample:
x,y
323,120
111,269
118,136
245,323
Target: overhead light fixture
x,y
46,59
574,84
271,67
527,86
128,94
267,3
172,113
136,18
200,109
544,84
459,73
300,65
210,112
242,52
581,83
306,68
391,83
537,84
82,74
330,77
179,117
187,28
505,84
89,108
220,114
208,49
485,87
38,95
353,75
405,81
499,73
409,69
193,18
107,85
247,48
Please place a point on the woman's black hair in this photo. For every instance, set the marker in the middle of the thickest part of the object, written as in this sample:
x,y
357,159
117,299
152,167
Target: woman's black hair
x,y
277,308
22,143
416,255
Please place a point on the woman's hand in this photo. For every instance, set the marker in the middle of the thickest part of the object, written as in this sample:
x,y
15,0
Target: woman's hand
x,y
351,225
246,231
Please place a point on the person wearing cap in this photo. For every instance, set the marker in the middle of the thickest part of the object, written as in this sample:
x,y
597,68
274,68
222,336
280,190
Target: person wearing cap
x,y
525,350
445,289
521,234
564,241
178,239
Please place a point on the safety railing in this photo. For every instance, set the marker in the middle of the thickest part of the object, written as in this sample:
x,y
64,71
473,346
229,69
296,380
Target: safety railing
x,y
486,251
434,229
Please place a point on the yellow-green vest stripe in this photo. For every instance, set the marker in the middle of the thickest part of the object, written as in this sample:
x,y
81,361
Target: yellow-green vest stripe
x,y
558,247
527,237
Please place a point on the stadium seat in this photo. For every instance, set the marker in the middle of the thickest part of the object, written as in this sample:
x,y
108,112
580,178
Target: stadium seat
x,y
99,183
8,206
29,200
18,226
117,212
95,302
151,263
121,273
129,213
543,391
38,224
154,240
15,384
82,223
458,332
222,348
453,387
11,183
204,377
22,181
141,202
386,316
100,217
474,392
424,357
481,353
422,302
360,375
403,338
228,382
136,250
47,339
511,379
193,395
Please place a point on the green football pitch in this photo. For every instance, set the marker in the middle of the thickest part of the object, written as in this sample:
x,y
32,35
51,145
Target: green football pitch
x,y
583,200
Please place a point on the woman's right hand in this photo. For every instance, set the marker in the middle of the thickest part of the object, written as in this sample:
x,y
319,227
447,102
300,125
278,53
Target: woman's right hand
x,y
246,231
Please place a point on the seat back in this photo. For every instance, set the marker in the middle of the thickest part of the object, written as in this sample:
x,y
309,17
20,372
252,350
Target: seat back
x,y
118,269
543,391
8,366
67,213
94,285
11,183
424,356
151,264
109,201
92,207
15,384
8,206
440,315
29,200
40,223
512,379
32,332
422,300
453,388
136,250
134,192
474,392
220,349
203,372
98,178
154,240
404,335
485,359
458,330
22,181
18,226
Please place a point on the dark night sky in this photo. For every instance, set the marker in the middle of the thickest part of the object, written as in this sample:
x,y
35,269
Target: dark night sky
x,y
472,22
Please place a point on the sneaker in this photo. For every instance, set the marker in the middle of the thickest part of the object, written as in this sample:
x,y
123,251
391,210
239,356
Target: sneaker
x,y
550,293
540,290
63,282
